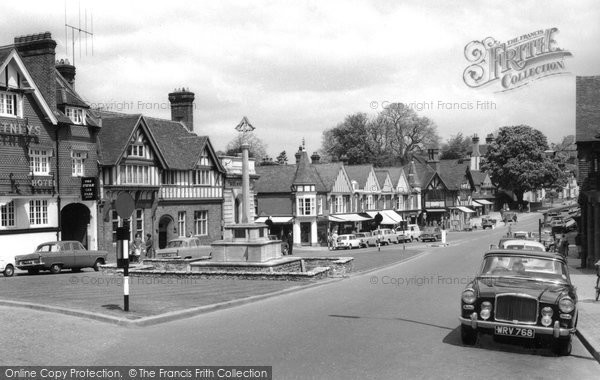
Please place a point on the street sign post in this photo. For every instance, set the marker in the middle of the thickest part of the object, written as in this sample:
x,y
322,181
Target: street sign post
x,y
124,206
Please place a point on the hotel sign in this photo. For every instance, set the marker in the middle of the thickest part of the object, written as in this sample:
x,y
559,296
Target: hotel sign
x,y
89,189
17,129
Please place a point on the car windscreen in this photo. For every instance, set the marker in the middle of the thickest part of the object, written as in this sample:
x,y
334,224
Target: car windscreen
x,y
535,267
525,247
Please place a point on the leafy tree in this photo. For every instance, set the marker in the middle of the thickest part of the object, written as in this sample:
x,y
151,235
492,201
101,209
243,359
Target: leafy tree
x,y
349,138
257,148
458,146
517,161
282,158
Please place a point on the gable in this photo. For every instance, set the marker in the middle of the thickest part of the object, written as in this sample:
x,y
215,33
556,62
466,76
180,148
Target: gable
x,y
402,186
342,183
436,183
14,71
372,184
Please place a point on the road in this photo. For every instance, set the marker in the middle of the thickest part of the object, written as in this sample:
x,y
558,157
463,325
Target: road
x,y
398,322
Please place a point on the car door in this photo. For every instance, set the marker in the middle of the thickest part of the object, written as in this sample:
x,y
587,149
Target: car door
x,y
81,255
65,254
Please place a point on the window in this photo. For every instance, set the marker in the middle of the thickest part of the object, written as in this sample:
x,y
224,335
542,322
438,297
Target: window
x,y
181,223
201,177
8,104
136,151
7,215
135,174
370,205
306,206
201,222
139,222
339,204
77,163
39,161
77,115
38,212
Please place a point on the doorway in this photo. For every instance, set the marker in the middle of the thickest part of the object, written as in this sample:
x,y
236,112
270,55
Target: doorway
x,y
305,233
165,231
74,220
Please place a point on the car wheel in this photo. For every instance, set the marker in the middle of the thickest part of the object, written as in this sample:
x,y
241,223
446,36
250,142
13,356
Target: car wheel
x,y
97,265
9,271
561,347
468,335
55,269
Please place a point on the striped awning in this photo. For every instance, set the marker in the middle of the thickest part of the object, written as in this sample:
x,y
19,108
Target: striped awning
x,y
483,202
464,209
347,218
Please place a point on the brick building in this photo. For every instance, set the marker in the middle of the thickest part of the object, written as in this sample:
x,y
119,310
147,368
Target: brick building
x,y
48,146
173,175
587,138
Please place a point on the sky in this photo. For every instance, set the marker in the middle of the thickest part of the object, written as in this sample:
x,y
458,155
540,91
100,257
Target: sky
x,y
297,68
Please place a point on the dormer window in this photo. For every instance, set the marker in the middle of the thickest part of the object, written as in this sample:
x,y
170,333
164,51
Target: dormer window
x,y
9,104
77,115
136,151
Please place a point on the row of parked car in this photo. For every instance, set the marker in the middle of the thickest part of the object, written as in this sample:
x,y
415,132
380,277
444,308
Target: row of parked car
x,y
387,236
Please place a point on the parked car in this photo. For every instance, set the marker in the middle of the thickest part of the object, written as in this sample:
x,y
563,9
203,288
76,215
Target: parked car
x,y
386,236
183,247
7,268
488,223
526,295
366,238
412,232
431,234
348,241
55,256
522,244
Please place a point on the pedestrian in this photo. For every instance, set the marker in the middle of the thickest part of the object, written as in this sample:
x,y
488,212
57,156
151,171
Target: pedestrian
x,y
149,248
578,244
565,246
514,217
136,248
290,241
334,238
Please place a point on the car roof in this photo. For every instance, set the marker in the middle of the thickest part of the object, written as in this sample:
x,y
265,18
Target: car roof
x,y
521,253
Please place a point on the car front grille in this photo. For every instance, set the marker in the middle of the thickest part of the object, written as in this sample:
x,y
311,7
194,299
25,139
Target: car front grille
x,y
515,308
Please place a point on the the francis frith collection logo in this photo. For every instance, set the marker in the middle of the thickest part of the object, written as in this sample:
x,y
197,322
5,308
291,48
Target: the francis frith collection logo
x,y
515,63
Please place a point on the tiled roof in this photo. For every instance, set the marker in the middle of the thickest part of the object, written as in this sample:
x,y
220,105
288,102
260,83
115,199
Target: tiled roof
x,y
307,174
359,173
328,173
478,176
381,175
274,178
453,173
114,137
65,95
4,52
587,109
395,173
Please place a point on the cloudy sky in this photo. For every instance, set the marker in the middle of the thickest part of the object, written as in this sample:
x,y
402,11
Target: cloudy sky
x,y
296,68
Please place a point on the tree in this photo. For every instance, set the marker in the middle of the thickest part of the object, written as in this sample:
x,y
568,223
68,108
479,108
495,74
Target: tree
x,y
282,158
456,147
391,138
257,148
517,161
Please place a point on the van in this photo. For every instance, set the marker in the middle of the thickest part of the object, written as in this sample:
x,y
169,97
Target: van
x,y
386,236
412,232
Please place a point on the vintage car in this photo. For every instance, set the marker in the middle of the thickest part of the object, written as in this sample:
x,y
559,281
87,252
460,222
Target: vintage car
x,y
386,236
7,268
185,248
366,239
55,256
526,295
431,234
523,244
348,241
410,233
488,223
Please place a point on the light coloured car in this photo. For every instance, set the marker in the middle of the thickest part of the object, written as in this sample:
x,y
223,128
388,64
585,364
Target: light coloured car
x,y
386,236
521,244
348,241
183,247
7,267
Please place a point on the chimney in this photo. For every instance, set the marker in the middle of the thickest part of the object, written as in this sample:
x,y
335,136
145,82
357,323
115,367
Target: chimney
x,y
344,159
182,107
475,156
298,155
315,158
433,158
412,171
67,71
38,54
489,139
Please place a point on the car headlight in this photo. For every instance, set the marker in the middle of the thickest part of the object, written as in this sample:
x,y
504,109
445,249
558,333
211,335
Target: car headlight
x,y
486,310
566,305
468,296
547,312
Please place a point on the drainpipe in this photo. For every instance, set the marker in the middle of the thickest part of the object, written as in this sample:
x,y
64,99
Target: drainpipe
x,y
58,232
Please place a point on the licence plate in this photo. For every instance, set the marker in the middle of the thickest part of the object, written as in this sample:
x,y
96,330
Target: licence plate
x,y
515,331
28,262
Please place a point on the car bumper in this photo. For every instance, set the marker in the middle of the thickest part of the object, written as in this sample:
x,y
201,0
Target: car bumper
x,y
31,266
556,331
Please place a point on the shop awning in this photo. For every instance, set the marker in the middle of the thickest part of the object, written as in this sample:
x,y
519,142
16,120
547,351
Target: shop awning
x,y
484,202
275,219
476,204
436,210
347,218
389,217
464,209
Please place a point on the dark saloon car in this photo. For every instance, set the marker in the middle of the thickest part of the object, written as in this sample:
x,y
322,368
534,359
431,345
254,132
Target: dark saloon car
x,y
431,234
58,255
525,295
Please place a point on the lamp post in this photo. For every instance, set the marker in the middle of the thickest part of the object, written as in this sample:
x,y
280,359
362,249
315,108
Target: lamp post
x,y
243,127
